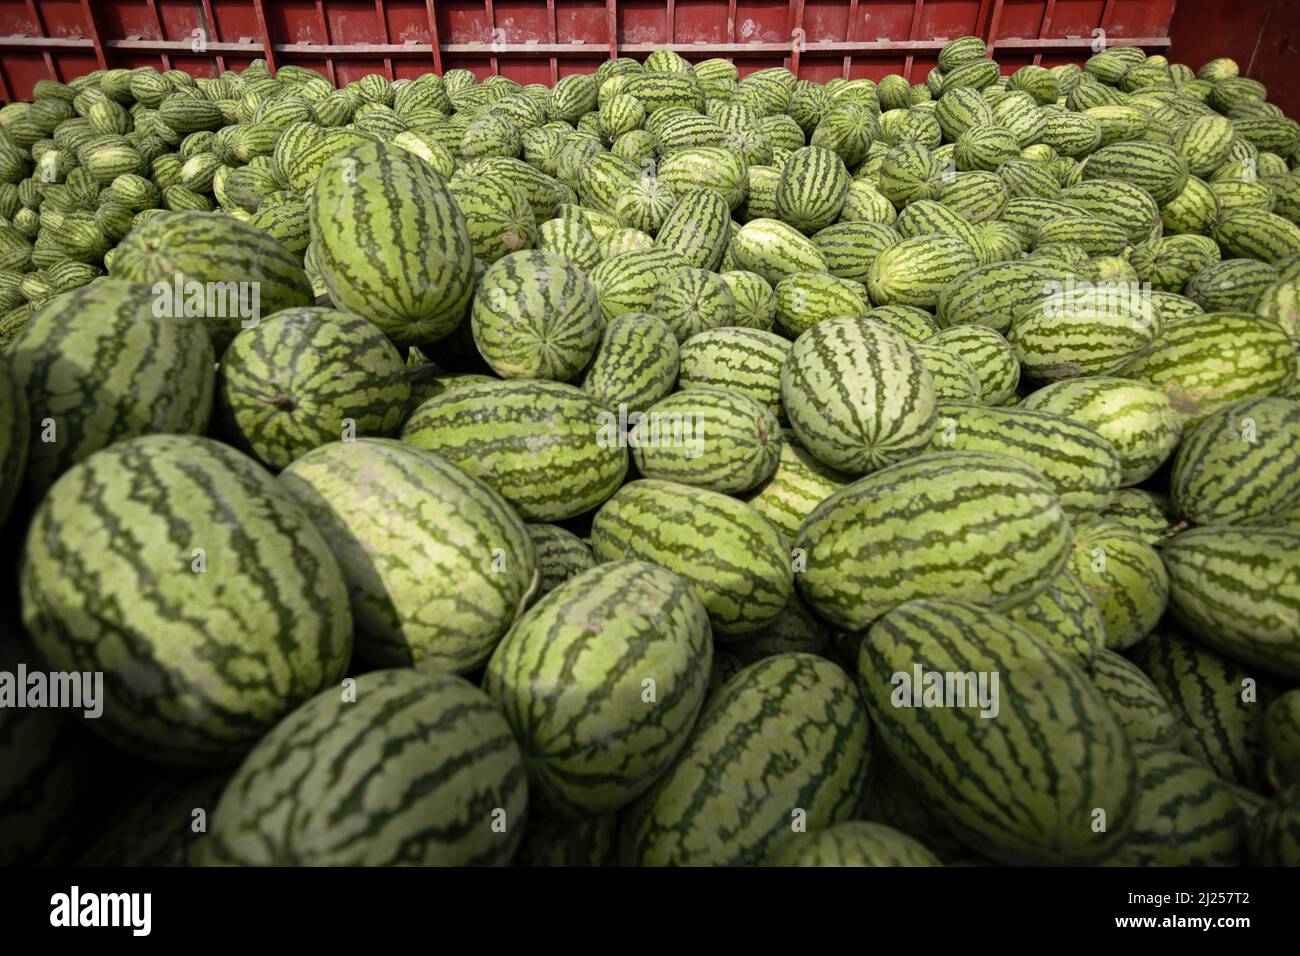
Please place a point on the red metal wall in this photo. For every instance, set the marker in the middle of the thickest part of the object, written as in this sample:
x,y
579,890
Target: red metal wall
x,y
536,41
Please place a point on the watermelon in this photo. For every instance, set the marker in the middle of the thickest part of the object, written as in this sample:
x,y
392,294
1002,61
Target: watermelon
x,y
1214,699
552,840
857,395
812,189
917,271
1238,591
732,556
1083,330
1065,617
1147,719
1139,421
393,246
1126,577
799,484
97,365
627,281
1282,739
976,526
636,363
697,228
709,437
693,301
1274,837
989,354
463,532
221,611
15,429
1082,467
406,768
549,449
1042,808
601,682
498,217
1185,815
536,315
155,822
772,249
744,359
212,267
856,843
755,299
305,377
783,746
1237,466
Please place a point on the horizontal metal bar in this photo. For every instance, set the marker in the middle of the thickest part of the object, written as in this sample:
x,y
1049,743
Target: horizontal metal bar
x,y
397,50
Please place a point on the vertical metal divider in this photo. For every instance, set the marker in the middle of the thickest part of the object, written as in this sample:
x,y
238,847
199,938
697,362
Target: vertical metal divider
x,y
995,23
157,22
1044,26
267,49
493,63
611,21
796,34
433,36
210,24
911,35
95,40
325,32
554,34
383,31
850,28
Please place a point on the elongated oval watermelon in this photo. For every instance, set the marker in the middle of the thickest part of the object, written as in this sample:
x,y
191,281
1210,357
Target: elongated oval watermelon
x,y
1145,715
1040,807
219,612
1126,577
434,585
97,365
1238,590
785,740
601,682
857,395
549,449
407,768
975,526
392,244
636,363
856,843
730,554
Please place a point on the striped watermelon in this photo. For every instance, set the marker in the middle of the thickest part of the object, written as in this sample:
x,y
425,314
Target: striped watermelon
x,y
1126,578
410,769
850,247
1237,466
806,298
561,555
925,527
1204,362
856,843
551,840
536,315
733,446
1238,591
601,682
755,299
1274,837
1138,420
1145,512
498,217
636,363
356,494
992,295
783,744
154,823
857,395
306,377
220,612
954,378
231,259
989,354
693,301
1081,466
97,366
697,228
1185,815
1082,330
917,271
1214,700
812,189
550,450
773,250
626,282
393,246
743,359
1065,617
732,557
15,430
1040,808
800,483
1145,716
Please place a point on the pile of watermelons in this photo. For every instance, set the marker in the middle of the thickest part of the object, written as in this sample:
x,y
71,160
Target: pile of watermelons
x,y
665,468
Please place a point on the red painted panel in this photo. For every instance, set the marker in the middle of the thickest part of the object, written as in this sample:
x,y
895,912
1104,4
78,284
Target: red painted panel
x,y
762,21
296,22
523,70
825,20
574,65
1141,18
891,19
581,20
236,19
127,20
408,22
948,18
463,21
523,21
1021,18
700,21
1074,18
642,21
